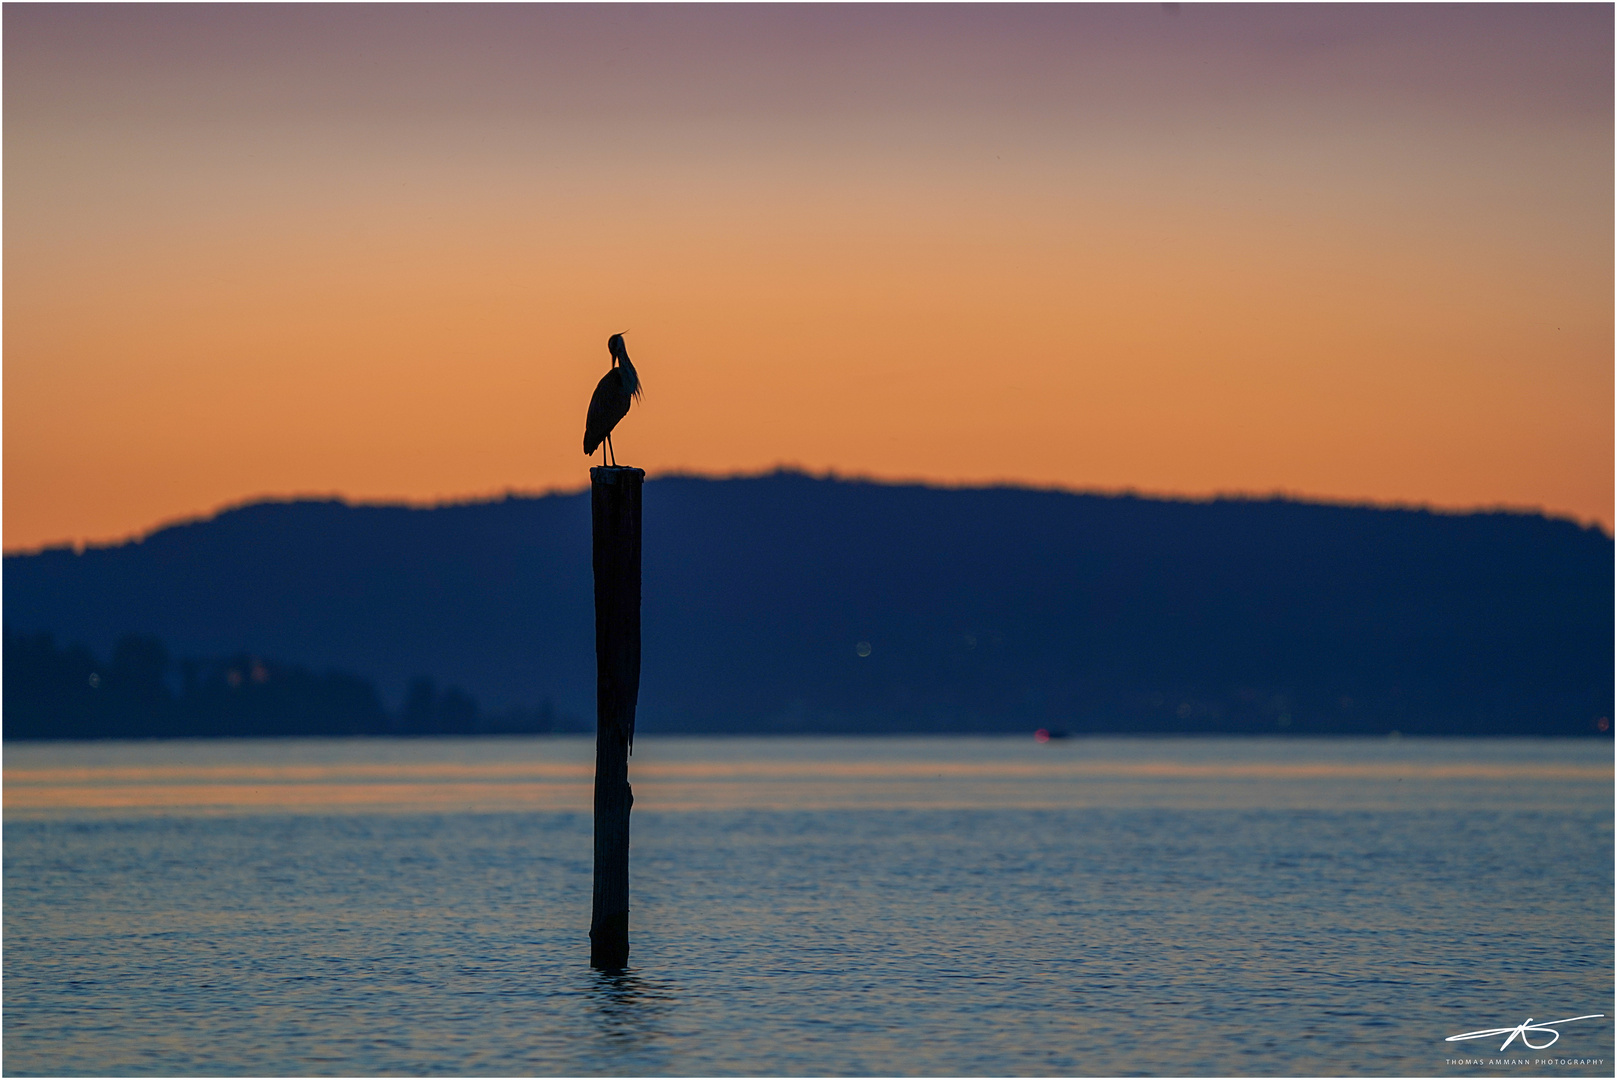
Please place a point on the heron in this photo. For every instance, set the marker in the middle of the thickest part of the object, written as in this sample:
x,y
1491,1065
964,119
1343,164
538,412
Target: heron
x,y
610,402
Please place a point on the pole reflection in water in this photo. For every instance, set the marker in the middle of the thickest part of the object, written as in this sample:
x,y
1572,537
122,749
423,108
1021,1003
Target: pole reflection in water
x,y
630,1011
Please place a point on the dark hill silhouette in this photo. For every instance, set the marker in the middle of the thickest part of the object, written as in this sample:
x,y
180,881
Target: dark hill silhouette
x,y
979,609
140,691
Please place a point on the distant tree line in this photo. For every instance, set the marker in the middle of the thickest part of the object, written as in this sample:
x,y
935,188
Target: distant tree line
x,y
52,692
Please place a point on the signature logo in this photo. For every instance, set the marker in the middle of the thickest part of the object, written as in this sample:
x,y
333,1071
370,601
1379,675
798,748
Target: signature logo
x,y
1522,1030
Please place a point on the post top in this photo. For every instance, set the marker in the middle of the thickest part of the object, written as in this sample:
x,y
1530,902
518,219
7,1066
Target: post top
x,y
611,474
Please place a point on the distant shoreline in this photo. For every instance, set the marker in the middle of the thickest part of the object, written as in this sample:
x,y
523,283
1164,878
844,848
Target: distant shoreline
x,y
1144,736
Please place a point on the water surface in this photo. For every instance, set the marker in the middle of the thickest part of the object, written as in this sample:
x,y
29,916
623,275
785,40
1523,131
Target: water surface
x,y
881,906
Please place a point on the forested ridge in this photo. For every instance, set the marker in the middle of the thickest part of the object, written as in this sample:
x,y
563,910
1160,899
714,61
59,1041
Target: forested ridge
x,y
791,603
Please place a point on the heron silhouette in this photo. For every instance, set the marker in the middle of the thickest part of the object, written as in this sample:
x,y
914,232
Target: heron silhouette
x,y
610,402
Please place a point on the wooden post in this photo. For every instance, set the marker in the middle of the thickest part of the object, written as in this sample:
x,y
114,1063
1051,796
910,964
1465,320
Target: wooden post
x,y
615,514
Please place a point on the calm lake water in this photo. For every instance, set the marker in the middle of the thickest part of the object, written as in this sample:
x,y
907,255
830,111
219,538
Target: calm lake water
x,y
810,906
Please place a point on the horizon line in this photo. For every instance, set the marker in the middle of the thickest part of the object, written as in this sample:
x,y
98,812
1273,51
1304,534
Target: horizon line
x,y
81,545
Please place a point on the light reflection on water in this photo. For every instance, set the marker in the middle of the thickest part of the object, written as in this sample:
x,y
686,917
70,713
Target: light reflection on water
x,y
902,906
447,775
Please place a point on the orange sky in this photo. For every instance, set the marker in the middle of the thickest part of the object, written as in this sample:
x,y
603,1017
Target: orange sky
x,y
1348,253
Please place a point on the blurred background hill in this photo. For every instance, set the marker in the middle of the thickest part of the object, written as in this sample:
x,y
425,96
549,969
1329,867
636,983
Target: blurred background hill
x,y
789,603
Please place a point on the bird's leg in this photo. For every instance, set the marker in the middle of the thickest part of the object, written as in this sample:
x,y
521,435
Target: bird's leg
x,y
614,452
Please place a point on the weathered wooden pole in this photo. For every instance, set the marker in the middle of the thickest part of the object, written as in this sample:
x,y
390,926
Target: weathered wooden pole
x,y
615,514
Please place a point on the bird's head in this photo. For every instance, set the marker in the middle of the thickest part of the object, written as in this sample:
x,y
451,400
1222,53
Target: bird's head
x,y
615,346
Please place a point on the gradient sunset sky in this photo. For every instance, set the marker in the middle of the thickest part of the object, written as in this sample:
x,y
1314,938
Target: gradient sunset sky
x,y
1355,253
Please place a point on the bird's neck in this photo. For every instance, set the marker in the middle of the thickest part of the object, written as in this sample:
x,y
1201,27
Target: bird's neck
x,y
631,378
